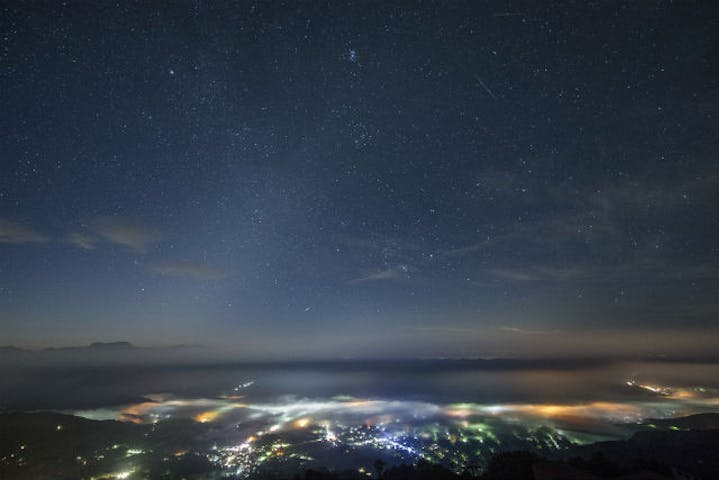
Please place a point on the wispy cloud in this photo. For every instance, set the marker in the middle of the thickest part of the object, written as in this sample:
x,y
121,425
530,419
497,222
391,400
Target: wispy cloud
x,y
400,272
466,250
607,219
81,240
189,269
514,275
462,330
691,311
546,273
638,270
16,233
126,232
525,331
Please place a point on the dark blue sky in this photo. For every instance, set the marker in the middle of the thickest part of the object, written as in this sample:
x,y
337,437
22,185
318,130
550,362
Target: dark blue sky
x,y
361,178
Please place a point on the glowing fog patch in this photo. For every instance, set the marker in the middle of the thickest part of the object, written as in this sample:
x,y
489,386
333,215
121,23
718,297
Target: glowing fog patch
x,y
250,435
296,414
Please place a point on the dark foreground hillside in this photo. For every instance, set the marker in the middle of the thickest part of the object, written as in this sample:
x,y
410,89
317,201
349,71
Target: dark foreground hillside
x,y
692,451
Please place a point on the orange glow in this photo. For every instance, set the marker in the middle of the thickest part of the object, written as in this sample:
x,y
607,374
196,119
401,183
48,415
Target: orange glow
x,y
683,394
302,422
208,416
654,389
592,409
551,410
135,420
459,412
233,397
137,410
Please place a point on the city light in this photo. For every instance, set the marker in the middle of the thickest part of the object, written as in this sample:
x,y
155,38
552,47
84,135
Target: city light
x,y
452,434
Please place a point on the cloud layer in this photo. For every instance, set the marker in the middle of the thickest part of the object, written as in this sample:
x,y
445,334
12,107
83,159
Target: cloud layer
x,y
16,233
126,232
81,240
189,269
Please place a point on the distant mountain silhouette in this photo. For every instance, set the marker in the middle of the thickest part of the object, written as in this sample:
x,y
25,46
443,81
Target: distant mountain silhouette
x,y
10,348
95,346
111,345
102,352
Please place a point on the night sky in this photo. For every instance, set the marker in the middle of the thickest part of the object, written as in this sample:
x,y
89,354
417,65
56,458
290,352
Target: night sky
x,y
361,179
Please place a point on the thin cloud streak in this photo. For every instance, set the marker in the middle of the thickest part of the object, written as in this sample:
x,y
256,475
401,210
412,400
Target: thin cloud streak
x,y
190,270
524,331
81,240
126,232
401,272
16,233
446,329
